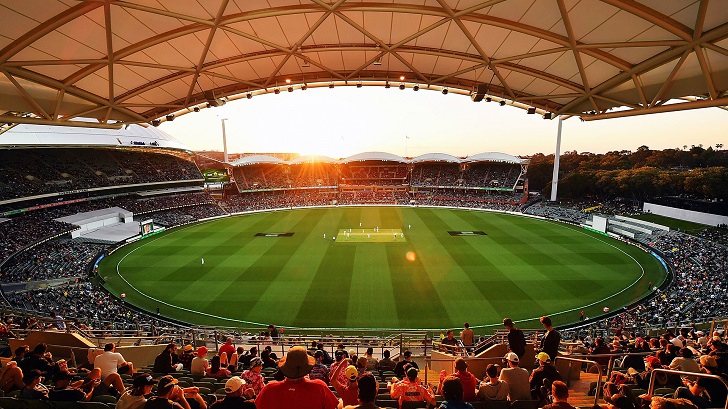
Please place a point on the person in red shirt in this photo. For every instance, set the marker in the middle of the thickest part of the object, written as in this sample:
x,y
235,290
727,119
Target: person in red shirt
x,y
296,391
349,391
469,381
228,348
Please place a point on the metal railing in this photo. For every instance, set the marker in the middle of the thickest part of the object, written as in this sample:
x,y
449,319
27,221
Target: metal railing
x,y
586,361
693,374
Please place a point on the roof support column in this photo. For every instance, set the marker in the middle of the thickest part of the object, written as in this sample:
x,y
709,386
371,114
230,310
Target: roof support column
x,y
557,156
224,141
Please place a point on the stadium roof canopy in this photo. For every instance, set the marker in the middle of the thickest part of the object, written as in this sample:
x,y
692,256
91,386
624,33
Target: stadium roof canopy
x,y
435,157
140,60
25,135
494,157
257,159
378,156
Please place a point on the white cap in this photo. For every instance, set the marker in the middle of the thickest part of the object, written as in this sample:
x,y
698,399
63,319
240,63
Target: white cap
x,y
511,356
233,384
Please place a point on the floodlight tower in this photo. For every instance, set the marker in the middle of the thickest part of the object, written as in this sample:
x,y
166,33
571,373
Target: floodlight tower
x,y
224,141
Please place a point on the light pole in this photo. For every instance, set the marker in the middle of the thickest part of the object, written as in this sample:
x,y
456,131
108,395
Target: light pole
x,y
224,141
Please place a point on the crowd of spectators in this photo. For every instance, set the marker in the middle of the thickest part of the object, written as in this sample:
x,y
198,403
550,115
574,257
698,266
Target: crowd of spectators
x,y
30,172
20,232
59,258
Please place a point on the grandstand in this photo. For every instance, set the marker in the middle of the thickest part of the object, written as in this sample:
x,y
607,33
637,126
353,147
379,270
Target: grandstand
x,y
114,71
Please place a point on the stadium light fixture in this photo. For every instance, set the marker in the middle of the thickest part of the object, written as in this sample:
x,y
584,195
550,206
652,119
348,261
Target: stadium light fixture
x,y
386,85
290,89
196,109
547,115
288,80
304,87
401,86
502,102
156,122
170,117
276,91
401,77
488,99
444,91
358,85
331,84
531,110
249,95
416,87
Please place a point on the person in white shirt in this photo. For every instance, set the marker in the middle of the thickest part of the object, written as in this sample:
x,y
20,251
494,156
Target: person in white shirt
x,y
112,362
516,378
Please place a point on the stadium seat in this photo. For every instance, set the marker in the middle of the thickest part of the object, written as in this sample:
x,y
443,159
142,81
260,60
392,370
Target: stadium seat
x,y
392,403
524,404
496,404
107,399
663,392
414,405
12,403
92,405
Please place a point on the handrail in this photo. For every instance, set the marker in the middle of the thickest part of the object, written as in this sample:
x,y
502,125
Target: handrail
x,y
587,361
610,365
497,359
693,374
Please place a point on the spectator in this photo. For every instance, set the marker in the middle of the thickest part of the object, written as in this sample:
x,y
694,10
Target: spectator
x,y
34,388
169,395
399,369
319,370
234,396
467,337
228,348
163,361
449,344
685,362
63,391
135,398
340,360
411,389
371,361
296,392
348,392
253,379
705,392
199,365
467,379
368,388
11,378
188,354
517,379
386,363
493,388
552,338
37,360
452,392
216,370
516,339
544,375
560,393
112,362
58,322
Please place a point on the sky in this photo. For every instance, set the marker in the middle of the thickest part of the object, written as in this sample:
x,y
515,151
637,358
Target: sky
x,y
344,121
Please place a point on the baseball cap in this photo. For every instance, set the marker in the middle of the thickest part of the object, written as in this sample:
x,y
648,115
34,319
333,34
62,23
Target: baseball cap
x,y
653,361
188,347
407,354
511,356
507,322
352,352
543,357
339,354
202,351
460,364
709,361
351,373
318,354
166,383
256,361
233,384
143,380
